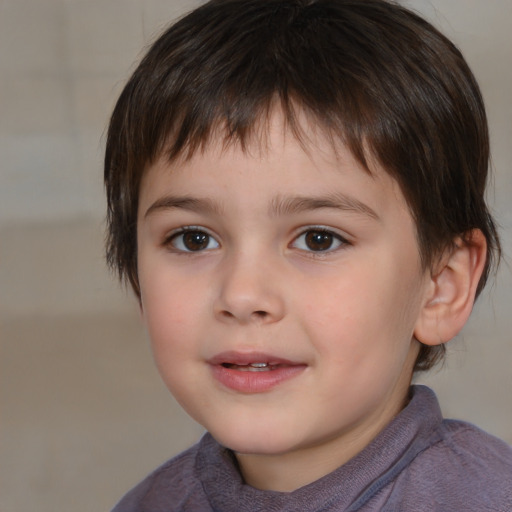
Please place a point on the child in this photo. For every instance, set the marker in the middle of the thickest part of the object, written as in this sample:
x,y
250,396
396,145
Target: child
x,y
296,195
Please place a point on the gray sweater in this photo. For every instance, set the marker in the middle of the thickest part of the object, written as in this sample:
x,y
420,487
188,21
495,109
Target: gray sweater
x,y
418,463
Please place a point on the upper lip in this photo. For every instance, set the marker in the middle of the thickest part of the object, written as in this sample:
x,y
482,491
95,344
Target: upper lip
x,y
246,358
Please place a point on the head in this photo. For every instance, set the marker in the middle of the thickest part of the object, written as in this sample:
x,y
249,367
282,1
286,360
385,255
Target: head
x,y
369,74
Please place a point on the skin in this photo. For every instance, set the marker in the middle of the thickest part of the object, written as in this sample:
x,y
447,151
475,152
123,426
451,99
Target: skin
x,y
346,315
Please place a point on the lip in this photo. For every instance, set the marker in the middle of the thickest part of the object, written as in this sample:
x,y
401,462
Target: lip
x,y
241,380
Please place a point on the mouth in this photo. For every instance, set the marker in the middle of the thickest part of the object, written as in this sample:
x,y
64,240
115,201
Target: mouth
x,y
251,361
253,372
252,367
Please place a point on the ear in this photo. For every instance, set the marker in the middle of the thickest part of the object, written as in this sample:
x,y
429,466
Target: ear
x,y
451,290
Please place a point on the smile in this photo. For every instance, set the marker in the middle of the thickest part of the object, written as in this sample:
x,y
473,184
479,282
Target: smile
x,y
253,372
252,367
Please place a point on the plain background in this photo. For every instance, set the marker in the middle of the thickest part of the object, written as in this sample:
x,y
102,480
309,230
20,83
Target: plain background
x,y
84,415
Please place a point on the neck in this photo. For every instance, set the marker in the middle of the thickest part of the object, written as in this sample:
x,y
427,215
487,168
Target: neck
x,y
297,468
290,471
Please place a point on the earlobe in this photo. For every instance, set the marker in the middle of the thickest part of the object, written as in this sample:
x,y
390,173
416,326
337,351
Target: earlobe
x,y
451,290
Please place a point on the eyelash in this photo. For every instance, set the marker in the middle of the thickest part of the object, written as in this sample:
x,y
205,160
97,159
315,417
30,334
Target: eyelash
x,y
335,239
168,242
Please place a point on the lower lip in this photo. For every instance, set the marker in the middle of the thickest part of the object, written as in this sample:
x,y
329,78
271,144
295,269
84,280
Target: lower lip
x,y
255,381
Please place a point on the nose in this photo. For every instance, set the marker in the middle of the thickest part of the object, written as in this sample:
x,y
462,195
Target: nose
x,y
249,292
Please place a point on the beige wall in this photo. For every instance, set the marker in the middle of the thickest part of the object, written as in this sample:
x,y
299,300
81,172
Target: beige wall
x,y
83,413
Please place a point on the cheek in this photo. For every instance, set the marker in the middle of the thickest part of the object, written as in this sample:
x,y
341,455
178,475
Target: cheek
x,y
170,311
369,308
169,319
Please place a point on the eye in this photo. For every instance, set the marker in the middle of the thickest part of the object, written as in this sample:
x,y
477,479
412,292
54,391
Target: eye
x,y
192,240
318,240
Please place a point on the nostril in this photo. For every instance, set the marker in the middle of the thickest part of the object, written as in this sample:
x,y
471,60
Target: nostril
x,y
260,314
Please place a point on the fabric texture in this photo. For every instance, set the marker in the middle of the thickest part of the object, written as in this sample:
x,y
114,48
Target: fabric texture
x,y
419,463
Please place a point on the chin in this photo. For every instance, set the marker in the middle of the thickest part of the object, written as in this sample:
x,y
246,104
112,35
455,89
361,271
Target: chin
x,y
253,443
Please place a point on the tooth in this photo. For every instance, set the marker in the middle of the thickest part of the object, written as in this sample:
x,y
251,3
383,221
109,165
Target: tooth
x,y
258,365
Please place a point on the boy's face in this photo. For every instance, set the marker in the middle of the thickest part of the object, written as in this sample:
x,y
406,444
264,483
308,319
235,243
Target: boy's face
x,y
281,290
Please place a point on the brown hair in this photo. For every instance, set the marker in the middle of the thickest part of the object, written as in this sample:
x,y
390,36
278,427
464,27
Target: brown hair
x,y
369,73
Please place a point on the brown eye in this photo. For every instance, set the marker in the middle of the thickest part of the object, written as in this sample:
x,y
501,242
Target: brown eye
x,y
318,240
193,241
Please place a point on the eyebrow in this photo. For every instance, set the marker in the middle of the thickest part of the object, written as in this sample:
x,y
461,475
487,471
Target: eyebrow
x,y
279,206
200,205
298,204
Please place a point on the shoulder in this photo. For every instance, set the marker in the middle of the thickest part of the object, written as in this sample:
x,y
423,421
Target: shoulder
x,y
463,445
173,486
466,440
462,467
